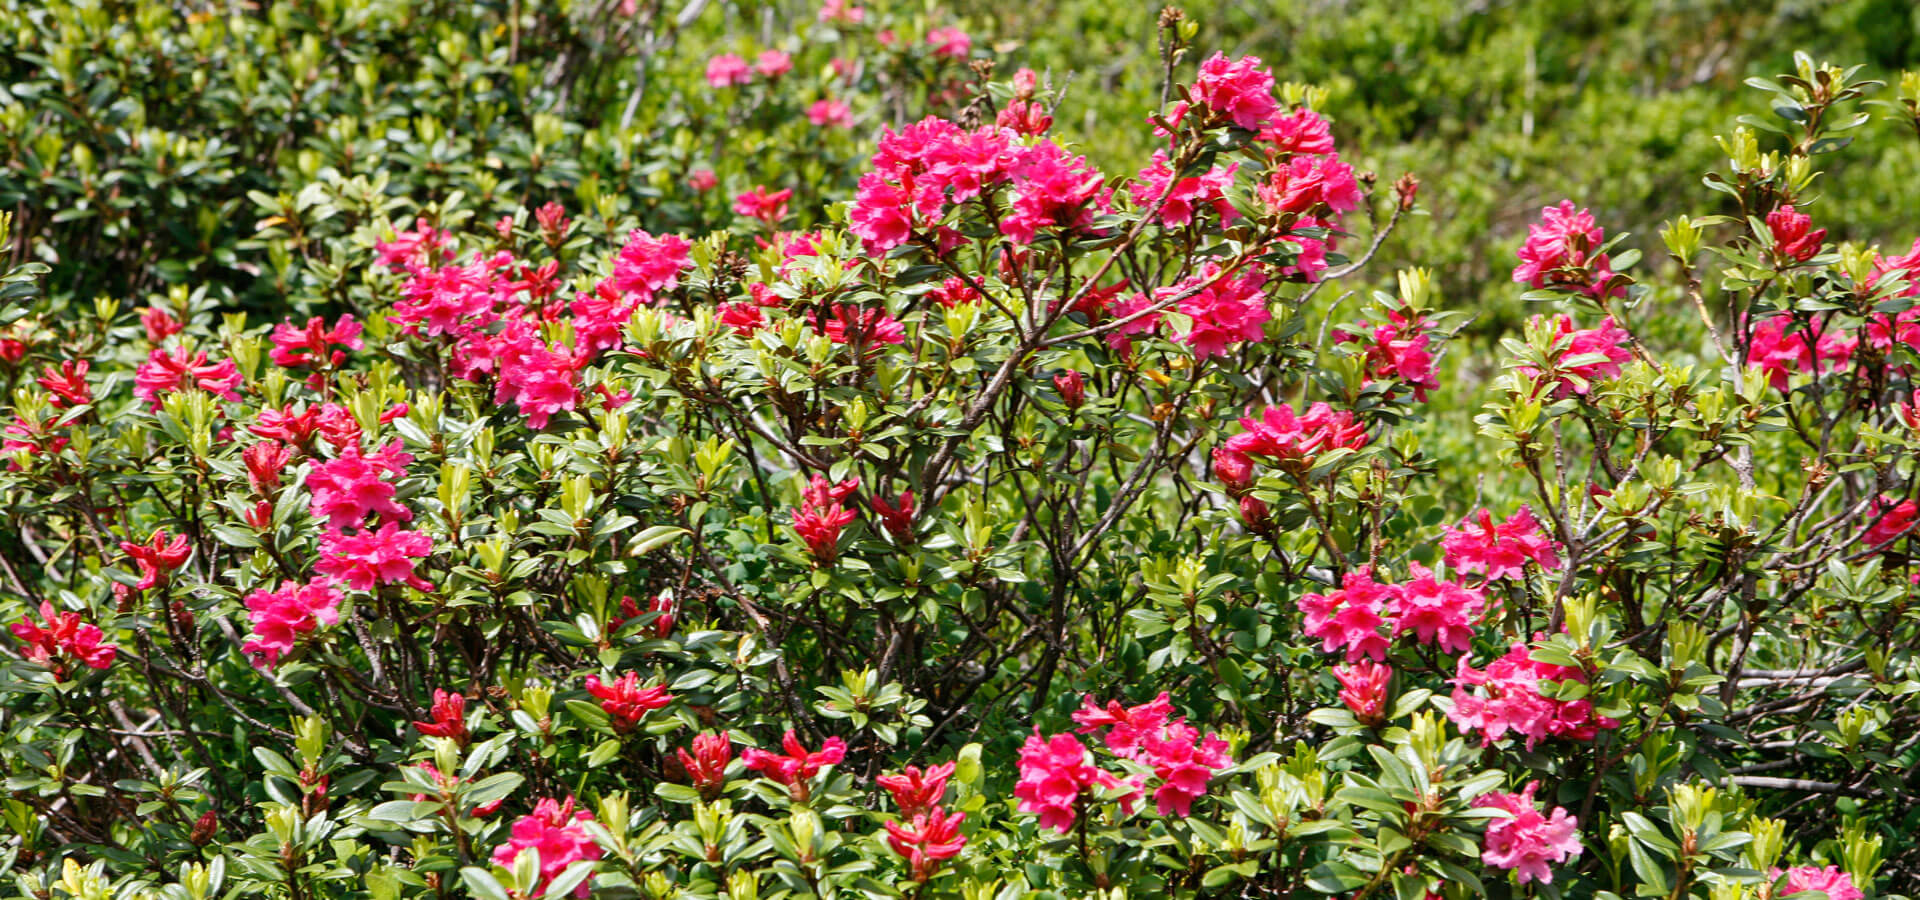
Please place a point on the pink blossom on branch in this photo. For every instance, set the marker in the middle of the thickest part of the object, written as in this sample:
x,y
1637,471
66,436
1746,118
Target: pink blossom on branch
x,y
366,560
625,701
60,639
767,206
1837,885
1560,253
1296,441
1239,91
1363,688
1054,774
796,765
447,718
555,830
915,791
1479,545
728,70
157,557
1224,310
166,372
1506,697
1794,238
1783,346
707,765
1350,617
1583,356
281,617
1528,842
927,838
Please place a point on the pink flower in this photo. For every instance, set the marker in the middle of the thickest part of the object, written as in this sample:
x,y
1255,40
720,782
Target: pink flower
x,y
1300,131
345,490
33,438
166,372
1239,90
411,248
1560,253
1350,616
869,327
1224,312
1441,613
702,180
160,325
1782,346
1183,197
1127,726
1499,550
915,791
648,265
554,830
1303,183
1793,239
820,517
280,617
1901,267
157,557
453,299
1297,441
1053,189
308,345
371,558
895,516
950,42
1184,763
1509,699
759,203
707,765
798,765
728,70
841,11
1233,470
1054,773
62,639
625,701
1528,842
771,64
1837,885
1889,521
1363,688
929,837
1397,350
448,717
1609,343
68,384
265,460
541,380
830,114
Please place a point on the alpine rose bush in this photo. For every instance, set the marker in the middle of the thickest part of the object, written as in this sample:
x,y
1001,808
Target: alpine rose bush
x,y
949,510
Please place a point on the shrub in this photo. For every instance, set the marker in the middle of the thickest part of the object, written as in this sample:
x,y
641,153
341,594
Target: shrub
x,y
1023,529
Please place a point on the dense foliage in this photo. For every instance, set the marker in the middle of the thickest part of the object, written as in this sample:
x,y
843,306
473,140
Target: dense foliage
x,y
474,450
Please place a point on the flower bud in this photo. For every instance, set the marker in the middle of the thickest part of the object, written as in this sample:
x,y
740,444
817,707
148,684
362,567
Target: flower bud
x,y
1072,387
1234,470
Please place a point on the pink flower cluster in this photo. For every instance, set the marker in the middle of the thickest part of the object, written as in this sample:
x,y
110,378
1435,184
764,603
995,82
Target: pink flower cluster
x,y
1180,200
281,617
1363,615
1781,346
925,833
1528,842
1495,550
374,557
170,371
1181,759
1582,356
1560,253
625,701
556,831
820,516
1837,885
1794,238
1890,520
1506,697
923,170
1056,774
1296,441
1397,350
797,765
315,343
158,557
1225,309
707,765
61,639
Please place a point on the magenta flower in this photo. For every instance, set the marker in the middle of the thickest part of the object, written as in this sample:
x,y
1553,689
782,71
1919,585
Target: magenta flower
x,y
1499,549
950,42
829,114
1303,183
773,63
348,489
1296,441
1441,613
1363,688
1560,253
767,206
61,638
1350,617
1052,189
1226,312
728,70
1837,885
1793,237
166,372
915,791
311,345
281,617
158,557
1528,842
371,558
707,765
648,265
1782,346
927,838
554,830
1506,697
1889,520
1238,90
1054,773
1397,350
798,764
1186,196
1300,131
